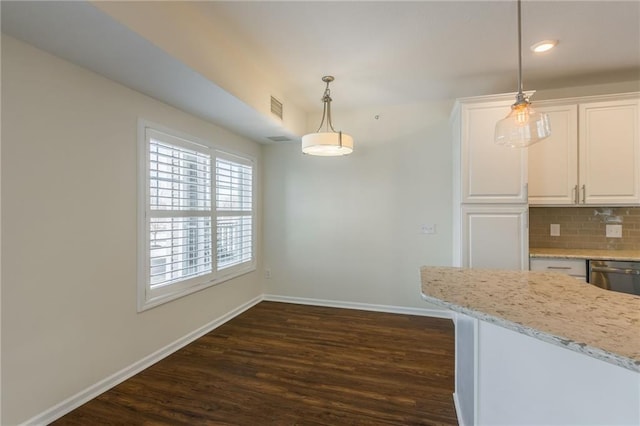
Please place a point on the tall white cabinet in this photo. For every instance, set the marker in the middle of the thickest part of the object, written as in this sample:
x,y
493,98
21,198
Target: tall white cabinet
x,y
490,189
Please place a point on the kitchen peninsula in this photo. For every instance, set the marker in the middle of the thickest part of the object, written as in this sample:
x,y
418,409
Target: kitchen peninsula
x,y
539,347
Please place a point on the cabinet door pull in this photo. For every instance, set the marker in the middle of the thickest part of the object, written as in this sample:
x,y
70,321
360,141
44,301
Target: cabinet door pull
x,y
584,194
576,195
558,267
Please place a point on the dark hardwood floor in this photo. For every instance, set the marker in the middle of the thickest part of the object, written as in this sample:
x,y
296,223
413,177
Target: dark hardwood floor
x,y
287,364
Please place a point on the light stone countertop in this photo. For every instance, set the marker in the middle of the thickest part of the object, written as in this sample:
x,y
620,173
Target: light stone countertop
x,y
633,255
548,306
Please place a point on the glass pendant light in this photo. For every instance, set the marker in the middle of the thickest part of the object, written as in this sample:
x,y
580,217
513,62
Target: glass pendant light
x,y
523,126
329,142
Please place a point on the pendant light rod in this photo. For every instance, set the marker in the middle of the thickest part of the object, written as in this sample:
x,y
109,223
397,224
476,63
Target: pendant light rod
x,y
523,126
520,85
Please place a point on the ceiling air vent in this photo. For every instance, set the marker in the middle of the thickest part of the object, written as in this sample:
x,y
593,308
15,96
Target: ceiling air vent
x,y
278,138
276,107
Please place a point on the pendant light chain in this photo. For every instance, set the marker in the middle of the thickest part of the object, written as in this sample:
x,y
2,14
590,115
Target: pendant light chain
x,y
326,110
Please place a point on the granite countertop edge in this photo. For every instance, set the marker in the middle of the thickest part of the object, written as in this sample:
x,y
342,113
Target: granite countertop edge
x,y
594,254
560,341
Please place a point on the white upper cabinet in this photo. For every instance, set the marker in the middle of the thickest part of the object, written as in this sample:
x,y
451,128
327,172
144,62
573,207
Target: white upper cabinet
x,y
489,173
553,162
609,152
592,156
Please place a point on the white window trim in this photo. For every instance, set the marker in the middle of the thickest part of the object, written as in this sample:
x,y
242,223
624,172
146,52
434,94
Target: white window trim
x,y
147,298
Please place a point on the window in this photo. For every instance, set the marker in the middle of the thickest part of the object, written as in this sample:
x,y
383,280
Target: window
x,y
188,187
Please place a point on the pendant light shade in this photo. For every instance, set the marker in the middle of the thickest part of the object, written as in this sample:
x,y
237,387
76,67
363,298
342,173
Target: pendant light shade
x,y
523,126
327,143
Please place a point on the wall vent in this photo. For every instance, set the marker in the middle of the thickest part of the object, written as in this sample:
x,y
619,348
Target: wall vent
x,y
278,138
276,107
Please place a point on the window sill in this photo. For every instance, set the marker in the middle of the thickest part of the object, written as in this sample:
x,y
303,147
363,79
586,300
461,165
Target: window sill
x,y
146,302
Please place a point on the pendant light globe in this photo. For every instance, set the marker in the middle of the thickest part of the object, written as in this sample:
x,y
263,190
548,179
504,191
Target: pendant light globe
x,y
523,127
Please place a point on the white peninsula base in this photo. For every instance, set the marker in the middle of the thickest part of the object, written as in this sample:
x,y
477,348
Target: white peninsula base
x,y
507,378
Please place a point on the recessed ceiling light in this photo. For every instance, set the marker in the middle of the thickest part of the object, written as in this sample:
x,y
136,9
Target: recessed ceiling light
x,y
544,45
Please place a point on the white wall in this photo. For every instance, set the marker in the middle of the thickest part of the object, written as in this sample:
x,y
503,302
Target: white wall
x,y
348,228
593,90
69,232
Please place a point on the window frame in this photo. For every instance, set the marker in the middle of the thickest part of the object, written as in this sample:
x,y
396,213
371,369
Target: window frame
x,y
148,297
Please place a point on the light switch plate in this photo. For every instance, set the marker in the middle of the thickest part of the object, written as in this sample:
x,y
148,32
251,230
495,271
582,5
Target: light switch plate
x,y
428,228
614,231
554,229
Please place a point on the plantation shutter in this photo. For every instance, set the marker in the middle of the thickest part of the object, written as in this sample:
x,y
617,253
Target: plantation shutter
x,y
234,210
179,210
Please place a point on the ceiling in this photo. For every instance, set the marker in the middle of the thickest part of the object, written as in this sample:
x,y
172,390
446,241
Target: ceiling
x,y
381,53
399,52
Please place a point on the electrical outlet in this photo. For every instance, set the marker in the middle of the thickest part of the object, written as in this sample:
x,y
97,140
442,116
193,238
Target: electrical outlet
x,y
614,231
554,230
267,274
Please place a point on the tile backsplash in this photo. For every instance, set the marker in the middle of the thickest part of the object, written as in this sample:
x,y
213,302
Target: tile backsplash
x,y
584,227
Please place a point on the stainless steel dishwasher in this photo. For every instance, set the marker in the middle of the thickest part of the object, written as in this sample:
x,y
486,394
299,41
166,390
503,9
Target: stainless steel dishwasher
x,y
622,276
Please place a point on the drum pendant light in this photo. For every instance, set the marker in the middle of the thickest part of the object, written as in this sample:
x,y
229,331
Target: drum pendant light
x,y
328,142
523,126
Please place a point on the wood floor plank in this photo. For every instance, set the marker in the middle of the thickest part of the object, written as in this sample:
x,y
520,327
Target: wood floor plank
x,y
288,364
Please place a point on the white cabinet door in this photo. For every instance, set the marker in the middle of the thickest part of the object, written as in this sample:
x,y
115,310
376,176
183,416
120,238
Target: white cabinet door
x,y
495,237
609,149
553,162
490,173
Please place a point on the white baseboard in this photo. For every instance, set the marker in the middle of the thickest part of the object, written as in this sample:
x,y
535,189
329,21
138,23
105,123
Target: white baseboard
x,y
456,404
436,313
93,391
